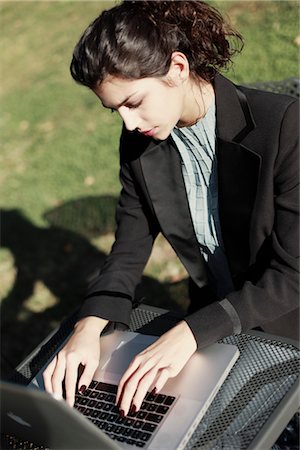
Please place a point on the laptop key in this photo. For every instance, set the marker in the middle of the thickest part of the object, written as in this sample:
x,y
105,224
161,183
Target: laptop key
x,y
107,407
96,414
145,437
132,414
162,409
109,428
112,417
93,384
151,407
160,398
102,395
103,415
115,410
99,405
140,444
157,418
111,398
92,403
137,424
127,432
128,422
150,397
149,427
106,387
120,420
118,429
87,411
136,434
141,414
102,425
93,394
169,400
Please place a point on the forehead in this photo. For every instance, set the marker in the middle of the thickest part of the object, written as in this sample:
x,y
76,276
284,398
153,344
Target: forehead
x,y
114,90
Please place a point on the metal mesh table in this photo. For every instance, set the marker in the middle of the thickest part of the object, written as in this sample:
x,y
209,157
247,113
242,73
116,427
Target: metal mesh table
x,y
257,399
289,86
252,407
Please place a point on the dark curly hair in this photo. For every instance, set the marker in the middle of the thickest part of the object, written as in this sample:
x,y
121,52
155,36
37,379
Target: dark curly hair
x,y
136,39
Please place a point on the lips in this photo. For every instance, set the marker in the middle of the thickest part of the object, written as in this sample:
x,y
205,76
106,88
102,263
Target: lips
x,y
150,132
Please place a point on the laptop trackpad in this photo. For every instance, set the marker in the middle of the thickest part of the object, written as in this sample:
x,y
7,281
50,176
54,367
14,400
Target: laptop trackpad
x,y
124,350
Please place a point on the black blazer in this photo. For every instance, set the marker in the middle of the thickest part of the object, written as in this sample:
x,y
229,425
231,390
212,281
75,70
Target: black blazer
x,y
257,151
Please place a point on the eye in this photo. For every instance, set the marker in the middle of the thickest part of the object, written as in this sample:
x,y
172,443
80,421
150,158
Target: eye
x,y
134,105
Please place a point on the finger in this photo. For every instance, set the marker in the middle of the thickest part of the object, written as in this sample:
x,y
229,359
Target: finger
x,y
58,375
127,374
47,375
128,392
162,378
87,374
137,385
131,378
71,378
143,387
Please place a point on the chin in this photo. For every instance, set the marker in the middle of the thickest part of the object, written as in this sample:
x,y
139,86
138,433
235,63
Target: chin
x,y
163,135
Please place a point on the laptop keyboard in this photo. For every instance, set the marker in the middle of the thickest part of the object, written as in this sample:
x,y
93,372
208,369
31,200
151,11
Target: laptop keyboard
x,y
98,405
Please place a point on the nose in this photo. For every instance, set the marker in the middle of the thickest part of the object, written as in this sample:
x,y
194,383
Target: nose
x,y
129,117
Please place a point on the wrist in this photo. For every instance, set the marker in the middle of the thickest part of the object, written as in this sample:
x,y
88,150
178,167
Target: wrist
x,y
189,335
92,324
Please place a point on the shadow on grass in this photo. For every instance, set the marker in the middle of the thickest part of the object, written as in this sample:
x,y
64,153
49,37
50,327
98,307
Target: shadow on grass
x,y
63,260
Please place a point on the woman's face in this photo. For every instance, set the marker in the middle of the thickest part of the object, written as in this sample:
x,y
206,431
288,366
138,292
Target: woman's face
x,y
150,105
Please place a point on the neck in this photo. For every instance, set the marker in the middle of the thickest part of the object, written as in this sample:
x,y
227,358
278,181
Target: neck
x,y
199,96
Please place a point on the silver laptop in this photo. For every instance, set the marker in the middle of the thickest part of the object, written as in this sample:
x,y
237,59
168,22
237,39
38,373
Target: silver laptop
x,y
165,421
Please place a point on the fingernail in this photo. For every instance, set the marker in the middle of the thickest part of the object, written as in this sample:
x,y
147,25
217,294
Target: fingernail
x,y
122,414
82,389
154,391
132,409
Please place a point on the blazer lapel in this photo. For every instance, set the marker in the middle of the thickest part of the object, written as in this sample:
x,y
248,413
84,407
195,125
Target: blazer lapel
x,y
161,168
238,172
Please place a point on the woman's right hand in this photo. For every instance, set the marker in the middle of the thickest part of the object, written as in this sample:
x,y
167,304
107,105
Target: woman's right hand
x,y
81,349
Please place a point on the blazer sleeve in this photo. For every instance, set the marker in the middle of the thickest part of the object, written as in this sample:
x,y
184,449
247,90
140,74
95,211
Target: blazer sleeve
x,y
276,292
111,294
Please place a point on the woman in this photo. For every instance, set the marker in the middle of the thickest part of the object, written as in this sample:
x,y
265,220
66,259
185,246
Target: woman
x,y
211,165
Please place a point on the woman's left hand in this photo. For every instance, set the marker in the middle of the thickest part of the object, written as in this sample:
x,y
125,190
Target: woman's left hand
x,y
154,366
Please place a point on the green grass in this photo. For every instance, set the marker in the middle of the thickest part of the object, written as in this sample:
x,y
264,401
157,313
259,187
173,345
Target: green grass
x,y
54,133
59,158
270,30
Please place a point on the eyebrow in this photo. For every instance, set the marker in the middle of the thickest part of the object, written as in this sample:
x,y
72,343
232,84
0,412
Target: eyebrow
x,y
122,103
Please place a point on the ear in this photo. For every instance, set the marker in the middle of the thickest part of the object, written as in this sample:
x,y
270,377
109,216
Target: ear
x,y
179,69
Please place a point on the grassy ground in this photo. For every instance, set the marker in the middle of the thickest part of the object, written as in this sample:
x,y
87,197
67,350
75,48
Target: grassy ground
x,y
59,160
